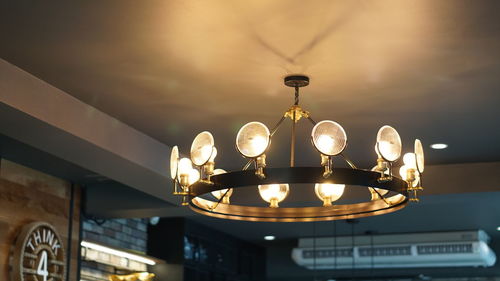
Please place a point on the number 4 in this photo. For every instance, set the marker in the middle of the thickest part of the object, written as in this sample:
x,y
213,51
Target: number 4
x,y
42,266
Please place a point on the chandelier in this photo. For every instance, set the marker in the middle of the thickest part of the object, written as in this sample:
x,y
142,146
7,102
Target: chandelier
x,y
208,191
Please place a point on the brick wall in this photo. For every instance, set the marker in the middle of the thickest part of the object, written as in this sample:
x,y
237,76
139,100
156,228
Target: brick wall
x,y
130,234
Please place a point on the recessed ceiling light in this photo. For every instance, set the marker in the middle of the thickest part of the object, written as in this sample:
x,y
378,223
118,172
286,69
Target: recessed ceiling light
x,y
439,146
269,237
498,228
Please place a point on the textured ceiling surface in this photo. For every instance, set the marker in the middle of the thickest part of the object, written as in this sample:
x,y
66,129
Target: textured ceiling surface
x,y
174,68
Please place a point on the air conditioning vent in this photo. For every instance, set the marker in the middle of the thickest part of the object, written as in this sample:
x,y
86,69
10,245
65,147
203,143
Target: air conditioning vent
x,y
385,251
444,249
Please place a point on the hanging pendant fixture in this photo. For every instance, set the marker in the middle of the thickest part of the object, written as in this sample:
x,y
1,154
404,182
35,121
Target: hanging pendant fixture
x,y
207,190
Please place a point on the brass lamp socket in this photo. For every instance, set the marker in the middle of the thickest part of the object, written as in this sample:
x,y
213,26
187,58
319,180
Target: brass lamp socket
x,y
325,160
410,176
261,164
274,203
184,180
382,166
208,168
327,201
225,200
327,163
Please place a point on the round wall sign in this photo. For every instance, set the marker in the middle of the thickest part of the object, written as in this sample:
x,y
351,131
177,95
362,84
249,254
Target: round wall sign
x,y
38,254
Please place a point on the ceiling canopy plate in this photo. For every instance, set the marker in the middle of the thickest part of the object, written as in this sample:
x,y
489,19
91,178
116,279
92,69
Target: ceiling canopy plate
x,y
296,81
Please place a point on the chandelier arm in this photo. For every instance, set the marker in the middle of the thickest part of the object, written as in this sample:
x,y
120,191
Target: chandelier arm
x,y
312,120
276,127
247,165
380,196
348,161
220,200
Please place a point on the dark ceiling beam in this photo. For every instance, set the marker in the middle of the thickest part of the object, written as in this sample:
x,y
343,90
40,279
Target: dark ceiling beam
x,y
48,119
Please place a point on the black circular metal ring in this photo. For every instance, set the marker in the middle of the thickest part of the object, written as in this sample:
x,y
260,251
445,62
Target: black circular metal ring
x,y
298,175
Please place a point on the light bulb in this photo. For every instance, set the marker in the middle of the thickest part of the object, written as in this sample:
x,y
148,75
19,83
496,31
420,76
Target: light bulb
x,y
185,166
273,193
207,152
329,192
325,142
214,154
403,172
384,147
253,139
259,143
194,176
410,160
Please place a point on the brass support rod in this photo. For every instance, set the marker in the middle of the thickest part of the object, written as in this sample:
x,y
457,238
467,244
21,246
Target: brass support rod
x,y
247,165
276,127
292,142
220,200
349,162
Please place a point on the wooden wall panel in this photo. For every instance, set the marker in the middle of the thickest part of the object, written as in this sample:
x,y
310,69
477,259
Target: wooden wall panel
x,y
27,195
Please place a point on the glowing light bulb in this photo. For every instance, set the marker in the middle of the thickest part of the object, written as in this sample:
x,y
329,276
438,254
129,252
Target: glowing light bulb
x,y
403,172
259,143
214,154
185,166
207,152
384,147
325,142
194,176
328,192
410,160
273,193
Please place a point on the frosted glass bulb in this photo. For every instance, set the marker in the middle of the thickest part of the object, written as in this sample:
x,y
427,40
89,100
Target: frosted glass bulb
x,y
328,192
214,154
207,152
325,142
253,139
410,160
185,166
403,172
273,193
194,176
384,147
259,143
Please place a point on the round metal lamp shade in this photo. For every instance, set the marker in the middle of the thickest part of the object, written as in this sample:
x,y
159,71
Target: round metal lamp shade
x,y
174,161
419,154
202,148
329,137
388,143
253,139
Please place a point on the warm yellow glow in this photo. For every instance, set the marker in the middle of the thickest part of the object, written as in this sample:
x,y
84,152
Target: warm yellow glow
x,y
214,154
384,148
410,160
119,253
325,142
273,193
174,161
403,172
194,176
201,148
207,152
252,139
328,192
185,166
